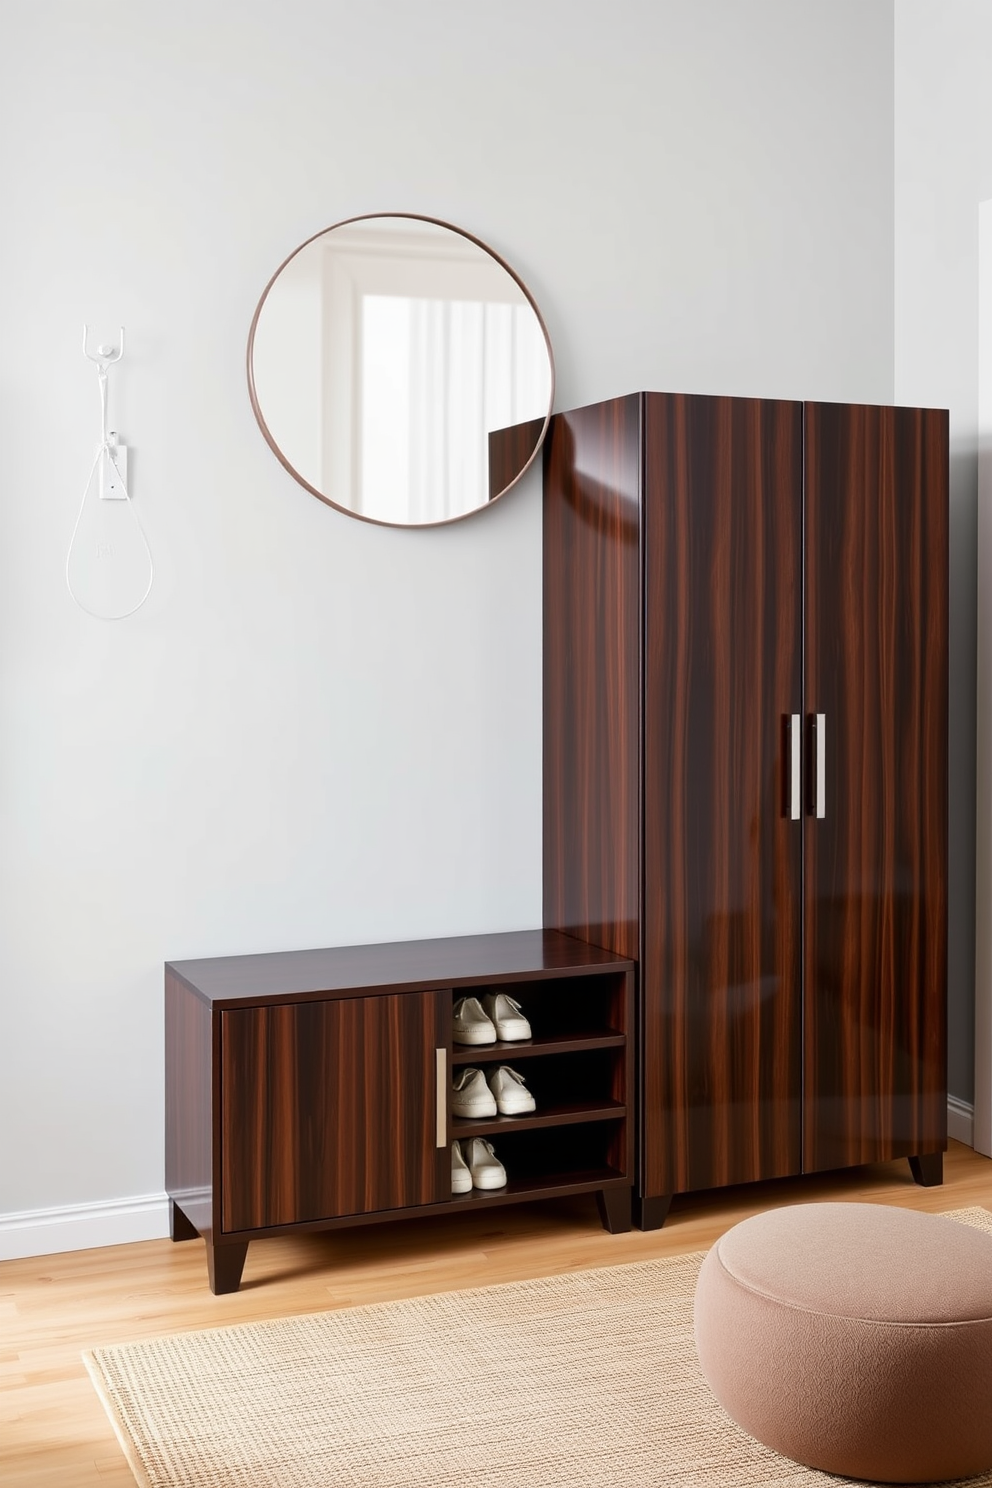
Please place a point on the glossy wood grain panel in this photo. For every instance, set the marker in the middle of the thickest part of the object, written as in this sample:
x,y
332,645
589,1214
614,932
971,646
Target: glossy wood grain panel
x,y
592,609
876,864
188,1109
329,1108
721,1059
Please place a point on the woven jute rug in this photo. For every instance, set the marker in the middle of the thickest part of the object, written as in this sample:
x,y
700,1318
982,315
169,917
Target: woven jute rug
x,y
587,1380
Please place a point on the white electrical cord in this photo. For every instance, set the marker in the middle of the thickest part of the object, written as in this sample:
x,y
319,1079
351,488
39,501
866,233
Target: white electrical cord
x,y
107,356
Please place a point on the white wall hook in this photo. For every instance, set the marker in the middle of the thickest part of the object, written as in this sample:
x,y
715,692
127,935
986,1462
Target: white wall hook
x,y
111,461
105,354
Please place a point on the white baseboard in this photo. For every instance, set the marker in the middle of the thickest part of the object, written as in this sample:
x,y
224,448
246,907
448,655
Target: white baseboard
x,y
960,1121
41,1232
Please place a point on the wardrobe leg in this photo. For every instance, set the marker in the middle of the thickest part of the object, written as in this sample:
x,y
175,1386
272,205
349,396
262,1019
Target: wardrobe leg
x,y
651,1210
928,1169
180,1227
225,1264
614,1209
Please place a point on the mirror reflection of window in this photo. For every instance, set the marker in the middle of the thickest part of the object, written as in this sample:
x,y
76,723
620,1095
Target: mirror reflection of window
x,y
429,344
400,370
438,376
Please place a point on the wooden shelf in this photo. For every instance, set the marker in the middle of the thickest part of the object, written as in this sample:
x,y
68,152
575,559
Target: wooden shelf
x,y
558,1043
569,1113
540,1186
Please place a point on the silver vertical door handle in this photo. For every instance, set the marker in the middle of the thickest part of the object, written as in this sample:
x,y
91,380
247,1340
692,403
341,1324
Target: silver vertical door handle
x,y
442,1097
820,764
794,799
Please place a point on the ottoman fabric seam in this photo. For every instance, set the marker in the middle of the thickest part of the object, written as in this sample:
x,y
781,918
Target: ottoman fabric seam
x,y
847,1316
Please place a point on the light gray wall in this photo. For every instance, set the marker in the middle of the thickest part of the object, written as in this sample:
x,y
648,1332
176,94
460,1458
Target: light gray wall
x,y
943,169
319,731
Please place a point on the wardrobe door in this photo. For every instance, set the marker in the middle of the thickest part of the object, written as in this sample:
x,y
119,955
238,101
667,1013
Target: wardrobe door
x,y
876,768
721,962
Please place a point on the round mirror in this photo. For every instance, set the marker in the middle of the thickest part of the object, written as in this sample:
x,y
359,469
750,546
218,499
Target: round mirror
x,y
400,370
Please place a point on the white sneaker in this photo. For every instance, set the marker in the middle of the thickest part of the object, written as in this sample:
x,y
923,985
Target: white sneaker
x,y
506,1017
461,1178
470,1095
471,1026
485,1167
511,1094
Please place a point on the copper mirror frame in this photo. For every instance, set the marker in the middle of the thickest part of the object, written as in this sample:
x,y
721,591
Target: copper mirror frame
x,y
295,302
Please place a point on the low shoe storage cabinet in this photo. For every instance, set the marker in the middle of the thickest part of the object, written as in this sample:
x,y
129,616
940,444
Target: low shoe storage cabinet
x,y
309,1090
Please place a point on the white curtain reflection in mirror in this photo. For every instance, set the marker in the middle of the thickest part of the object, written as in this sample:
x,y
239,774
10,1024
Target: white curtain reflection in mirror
x,y
388,354
438,376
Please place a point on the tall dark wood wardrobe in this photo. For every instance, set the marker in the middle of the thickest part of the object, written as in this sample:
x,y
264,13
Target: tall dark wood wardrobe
x,y
745,770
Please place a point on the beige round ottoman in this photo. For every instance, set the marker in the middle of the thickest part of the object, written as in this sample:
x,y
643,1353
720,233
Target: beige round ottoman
x,y
854,1338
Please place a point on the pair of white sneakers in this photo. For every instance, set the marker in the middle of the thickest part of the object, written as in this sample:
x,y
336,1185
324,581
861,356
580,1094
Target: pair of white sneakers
x,y
497,1016
504,1093
474,1164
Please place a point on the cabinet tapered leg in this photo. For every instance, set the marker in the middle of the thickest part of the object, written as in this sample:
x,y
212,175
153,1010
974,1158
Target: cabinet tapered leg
x,y
179,1226
614,1209
928,1169
651,1210
225,1264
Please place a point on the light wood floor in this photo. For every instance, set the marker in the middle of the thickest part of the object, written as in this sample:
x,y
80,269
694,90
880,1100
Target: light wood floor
x,y
53,1431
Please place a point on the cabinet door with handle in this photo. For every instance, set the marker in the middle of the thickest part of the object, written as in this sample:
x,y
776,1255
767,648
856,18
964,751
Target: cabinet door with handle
x,y
876,769
721,967
333,1108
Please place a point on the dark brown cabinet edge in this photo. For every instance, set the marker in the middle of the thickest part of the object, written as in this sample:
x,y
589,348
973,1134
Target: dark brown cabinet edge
x,y
326,973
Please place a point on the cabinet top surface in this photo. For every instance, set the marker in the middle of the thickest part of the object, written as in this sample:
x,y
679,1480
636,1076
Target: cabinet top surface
x,y
660,396
409,965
